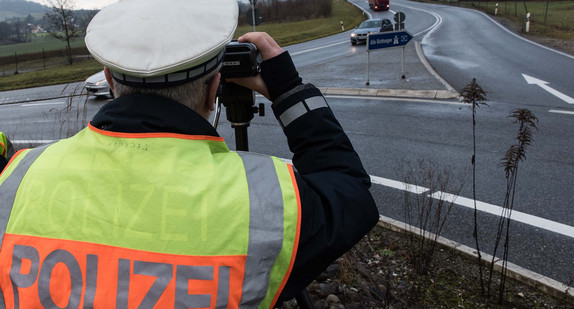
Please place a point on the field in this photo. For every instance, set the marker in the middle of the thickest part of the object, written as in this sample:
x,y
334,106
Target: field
x,y
39,42
55,75
552,19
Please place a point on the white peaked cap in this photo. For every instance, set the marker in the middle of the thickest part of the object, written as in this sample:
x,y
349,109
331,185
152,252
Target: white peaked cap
x,y
159,42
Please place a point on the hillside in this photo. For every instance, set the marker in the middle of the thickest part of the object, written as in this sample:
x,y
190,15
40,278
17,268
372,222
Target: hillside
x,y
20,8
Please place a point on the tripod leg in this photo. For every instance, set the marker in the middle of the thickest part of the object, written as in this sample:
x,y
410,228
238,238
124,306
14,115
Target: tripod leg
x,y
304,300
241,139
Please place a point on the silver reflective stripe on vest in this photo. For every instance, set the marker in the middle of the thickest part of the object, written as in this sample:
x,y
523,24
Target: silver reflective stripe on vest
x,y
9,187
265,227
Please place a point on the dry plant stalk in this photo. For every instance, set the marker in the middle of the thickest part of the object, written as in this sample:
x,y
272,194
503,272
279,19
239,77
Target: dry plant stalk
x,y
474,95
515,154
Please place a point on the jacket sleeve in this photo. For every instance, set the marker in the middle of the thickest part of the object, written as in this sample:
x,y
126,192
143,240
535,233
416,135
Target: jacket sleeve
x,y
337,207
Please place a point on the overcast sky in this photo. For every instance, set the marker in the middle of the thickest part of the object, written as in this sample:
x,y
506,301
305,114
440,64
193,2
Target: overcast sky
x,y
94,4
86,4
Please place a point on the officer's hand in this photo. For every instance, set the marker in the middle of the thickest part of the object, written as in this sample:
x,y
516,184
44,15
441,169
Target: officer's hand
x,y
264,42
269,49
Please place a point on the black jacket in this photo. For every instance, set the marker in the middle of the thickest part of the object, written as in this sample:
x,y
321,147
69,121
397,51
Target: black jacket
x,y
3,163
337,207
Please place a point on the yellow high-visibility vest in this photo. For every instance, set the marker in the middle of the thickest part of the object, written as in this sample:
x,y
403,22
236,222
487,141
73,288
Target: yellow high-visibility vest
x,y
115,220
3,145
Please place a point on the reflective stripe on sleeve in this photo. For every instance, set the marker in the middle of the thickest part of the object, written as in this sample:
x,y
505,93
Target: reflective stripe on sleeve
x,y
9,187
265,227
301,108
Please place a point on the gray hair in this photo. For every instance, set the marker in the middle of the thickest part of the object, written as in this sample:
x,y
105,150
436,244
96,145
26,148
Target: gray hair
x,y
191,94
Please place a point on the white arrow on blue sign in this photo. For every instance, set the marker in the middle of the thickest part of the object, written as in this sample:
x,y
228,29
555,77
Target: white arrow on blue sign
x,y
388,39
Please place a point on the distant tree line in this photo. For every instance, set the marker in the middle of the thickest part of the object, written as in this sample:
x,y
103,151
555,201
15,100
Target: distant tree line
x,y
19,30
288,10
16,30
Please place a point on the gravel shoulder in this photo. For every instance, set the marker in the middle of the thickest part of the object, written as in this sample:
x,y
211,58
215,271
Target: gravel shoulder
x,y
379,272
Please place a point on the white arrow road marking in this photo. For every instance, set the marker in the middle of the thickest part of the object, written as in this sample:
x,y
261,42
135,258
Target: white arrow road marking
x,y
544,85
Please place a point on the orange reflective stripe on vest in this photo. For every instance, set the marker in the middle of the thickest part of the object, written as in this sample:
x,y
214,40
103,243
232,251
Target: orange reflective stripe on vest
x,y
84,275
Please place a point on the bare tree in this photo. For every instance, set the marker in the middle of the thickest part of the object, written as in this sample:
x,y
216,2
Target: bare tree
x,y
62,24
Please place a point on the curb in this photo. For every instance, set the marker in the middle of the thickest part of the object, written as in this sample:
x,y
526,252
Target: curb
x,y
530,278
399,93
431,70
42,99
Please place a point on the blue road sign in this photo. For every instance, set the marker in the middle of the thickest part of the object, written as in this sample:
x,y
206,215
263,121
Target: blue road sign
x,y
388,39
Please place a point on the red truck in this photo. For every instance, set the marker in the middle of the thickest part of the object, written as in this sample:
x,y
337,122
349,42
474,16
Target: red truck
x,y
379,5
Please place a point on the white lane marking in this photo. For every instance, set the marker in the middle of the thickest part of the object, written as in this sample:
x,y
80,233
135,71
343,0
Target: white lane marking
x,y
561,112
434,26
42,104
317,48
362,9
398,185
517,216
436,16
31,141
26,122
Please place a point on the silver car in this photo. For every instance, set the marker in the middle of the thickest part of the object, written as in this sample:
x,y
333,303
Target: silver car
x,y
370,26
98,86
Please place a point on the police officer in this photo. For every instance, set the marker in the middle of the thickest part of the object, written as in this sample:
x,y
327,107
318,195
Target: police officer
x,y
148,207
6,151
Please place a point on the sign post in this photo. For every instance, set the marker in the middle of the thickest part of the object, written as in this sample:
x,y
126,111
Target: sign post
x,y
254,17
399,21
385,40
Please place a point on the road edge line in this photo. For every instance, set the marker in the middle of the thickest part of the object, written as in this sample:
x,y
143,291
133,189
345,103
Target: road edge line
x,y
40,100
519,36
545,284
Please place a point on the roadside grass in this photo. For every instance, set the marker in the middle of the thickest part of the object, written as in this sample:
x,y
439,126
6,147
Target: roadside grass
x,y
64,74
33,65
284,33
301,31
556,23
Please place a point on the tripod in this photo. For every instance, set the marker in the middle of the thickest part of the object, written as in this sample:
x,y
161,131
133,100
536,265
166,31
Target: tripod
x,y
240,107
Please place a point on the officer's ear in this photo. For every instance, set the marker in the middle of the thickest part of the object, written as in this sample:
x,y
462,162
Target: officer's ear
x,y
213,88
109,78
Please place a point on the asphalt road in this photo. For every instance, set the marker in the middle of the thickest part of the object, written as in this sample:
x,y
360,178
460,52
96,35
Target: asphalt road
x,y
388,131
